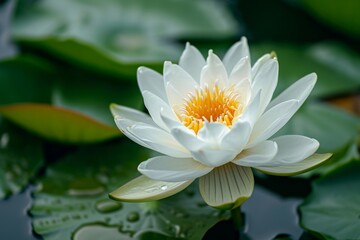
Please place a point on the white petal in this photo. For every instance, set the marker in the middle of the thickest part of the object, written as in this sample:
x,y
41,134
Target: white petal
x,y
213,132
259,63
258,155
271,121
213,157
265,80
122,112
143,189
187,138
202,151
170,169
149,80
238,136
227,187
292,149
250,114
300,90
192,61
124,125
178,84
155,106
213,72
125,117
170,122
240,79
298,167
236,52
158,140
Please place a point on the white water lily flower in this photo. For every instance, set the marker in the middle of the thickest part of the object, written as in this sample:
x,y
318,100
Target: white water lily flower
x,y
214,120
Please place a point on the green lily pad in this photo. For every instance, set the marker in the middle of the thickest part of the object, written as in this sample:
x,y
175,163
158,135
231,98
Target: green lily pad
x,y
72,200
57,123
20,158
332,127
336,65
74,105
332,210
110,35
340,158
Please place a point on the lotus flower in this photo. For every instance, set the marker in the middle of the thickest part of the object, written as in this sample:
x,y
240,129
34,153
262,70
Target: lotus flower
x,y
213,120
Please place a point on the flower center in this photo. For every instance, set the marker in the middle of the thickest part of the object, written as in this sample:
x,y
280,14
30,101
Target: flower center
x,y
210,105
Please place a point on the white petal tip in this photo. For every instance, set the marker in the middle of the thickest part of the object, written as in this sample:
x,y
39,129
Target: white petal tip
x,y
143,189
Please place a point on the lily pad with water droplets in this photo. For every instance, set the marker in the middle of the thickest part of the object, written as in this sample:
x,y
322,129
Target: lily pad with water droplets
x,y
333,210
20,158
72,200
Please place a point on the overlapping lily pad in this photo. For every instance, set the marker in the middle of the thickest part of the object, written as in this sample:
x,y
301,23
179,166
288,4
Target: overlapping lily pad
x,y
72,200
332,210
117,36
332,127
20,158
67,106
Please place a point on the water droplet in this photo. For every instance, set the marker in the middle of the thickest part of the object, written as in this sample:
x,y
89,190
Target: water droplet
x,y
163,187
133,216
85,187
4,140
107,206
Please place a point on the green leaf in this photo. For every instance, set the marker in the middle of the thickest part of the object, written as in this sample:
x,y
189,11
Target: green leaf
x,y
20,158
293,169
72,200
76,98
332,127
138,31
58,123
335,64
333,209
340,15
227,186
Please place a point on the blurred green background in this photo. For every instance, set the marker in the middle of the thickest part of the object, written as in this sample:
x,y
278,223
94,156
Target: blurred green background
x,y
63,62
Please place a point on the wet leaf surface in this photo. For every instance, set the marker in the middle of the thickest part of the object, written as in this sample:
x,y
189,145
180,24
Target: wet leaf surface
x,y
21,158
72,200
333,209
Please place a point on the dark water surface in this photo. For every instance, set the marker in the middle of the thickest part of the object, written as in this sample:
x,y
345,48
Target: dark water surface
x,y
266,215
14,221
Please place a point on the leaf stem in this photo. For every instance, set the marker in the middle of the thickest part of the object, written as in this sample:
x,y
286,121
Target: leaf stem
x,y
237,218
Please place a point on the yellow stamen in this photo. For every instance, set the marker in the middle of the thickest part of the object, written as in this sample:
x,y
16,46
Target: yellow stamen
x,y
209,105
